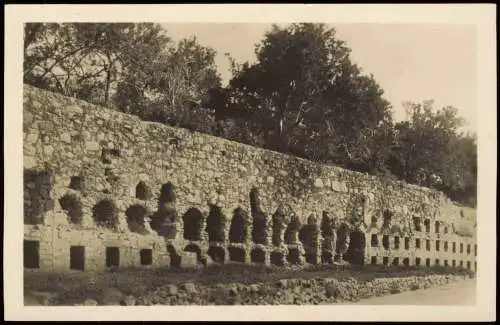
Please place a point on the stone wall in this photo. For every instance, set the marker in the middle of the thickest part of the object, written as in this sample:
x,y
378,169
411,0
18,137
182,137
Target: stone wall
x,y
100,178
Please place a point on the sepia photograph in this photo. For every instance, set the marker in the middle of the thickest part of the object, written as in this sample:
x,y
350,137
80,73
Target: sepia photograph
x,y
276,163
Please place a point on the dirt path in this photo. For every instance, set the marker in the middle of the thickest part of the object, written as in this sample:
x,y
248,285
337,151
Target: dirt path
x,y
455,293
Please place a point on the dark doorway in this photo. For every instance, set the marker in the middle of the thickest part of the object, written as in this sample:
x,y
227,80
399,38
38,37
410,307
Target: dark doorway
x,y
293,256
77,258
277,258
258,256
146,256
236,254
31,252
355,254
217,254
112,257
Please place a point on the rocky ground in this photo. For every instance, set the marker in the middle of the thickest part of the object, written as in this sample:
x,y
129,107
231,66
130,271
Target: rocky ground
x,y
231,285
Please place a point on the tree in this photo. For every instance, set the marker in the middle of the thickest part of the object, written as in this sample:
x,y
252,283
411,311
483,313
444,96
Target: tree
x,y
304,95
173,87
430,150
131,67
86,60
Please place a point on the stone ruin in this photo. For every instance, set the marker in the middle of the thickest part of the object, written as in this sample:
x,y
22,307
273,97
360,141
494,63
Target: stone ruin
x,y
103,189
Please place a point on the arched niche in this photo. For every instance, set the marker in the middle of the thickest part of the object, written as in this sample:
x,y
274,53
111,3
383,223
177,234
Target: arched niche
x,y
73,207
105,214
136,218
216,225
259,219
278,226
238,229
292,230
193,223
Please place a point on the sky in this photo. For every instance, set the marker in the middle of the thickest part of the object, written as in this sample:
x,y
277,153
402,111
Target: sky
x,y
411,62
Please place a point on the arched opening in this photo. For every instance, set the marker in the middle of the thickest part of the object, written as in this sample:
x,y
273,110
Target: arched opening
x,y
308,236
73,207
143,191
136,215
278,225
216,224
164,220
259,219
417,224
329,239
293,256
217,254
427,224
193,222
259,229
236,254
291,232
105,214
37,200
387,219
356,251
238,229
167,193
258,255
385,242
343,239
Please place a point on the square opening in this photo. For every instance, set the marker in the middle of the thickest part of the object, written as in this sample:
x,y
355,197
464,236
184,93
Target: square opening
x,y
454,247
146,256
417,243
461,263
31,252
445,246
453,263
385,260
427,245
406,261
77,258
437,261
395,261
374,240
445,262
468,249
407,243
438,245
417,261
461,248
468,265
374,260
112,257
427,262
236,254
